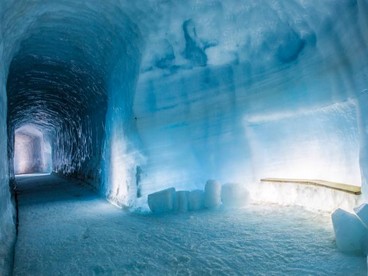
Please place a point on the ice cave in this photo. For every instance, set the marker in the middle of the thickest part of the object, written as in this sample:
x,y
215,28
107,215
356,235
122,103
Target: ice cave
x,y
197,137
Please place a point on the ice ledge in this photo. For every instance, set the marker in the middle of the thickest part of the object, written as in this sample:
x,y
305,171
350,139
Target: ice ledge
x,y
352,189
313,195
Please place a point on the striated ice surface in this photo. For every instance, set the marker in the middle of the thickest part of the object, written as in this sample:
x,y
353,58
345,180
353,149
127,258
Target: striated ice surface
x,y
135,100
135,97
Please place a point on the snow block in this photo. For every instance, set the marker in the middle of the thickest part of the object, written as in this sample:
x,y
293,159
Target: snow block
x,y
350,232
162,201
196,200
212,194
234,195
362,213
181,201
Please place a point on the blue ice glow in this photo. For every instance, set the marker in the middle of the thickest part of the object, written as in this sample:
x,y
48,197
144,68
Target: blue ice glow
x,y
211,93
186,91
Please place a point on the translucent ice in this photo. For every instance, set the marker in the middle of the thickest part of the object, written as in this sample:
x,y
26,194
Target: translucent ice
x,y
351,234
362,213
162,201
186,90
196,200
181,201
212,194
234,195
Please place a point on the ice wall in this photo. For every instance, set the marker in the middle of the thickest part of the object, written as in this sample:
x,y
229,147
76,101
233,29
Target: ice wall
x,y
171,93
270,89
72,74
68,71
7,224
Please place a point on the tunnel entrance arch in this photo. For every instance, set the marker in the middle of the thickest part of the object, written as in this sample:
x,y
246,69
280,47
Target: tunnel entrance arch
x,y
73,75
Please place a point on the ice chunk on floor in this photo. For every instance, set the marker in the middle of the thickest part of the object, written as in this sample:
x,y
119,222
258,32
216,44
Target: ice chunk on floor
x,y
212,194
140,205
181,201
350,232
362,213
162,201
196,200
234,195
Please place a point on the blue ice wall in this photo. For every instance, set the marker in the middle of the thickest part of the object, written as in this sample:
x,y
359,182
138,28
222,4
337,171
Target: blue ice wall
x,y
122,151
173,93
279,93
64,60
7,223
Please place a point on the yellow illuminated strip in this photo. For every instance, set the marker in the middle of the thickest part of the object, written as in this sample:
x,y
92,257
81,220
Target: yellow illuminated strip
x,y
333,185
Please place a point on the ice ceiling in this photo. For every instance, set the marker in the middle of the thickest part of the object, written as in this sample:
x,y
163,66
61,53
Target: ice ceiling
x,y
172,93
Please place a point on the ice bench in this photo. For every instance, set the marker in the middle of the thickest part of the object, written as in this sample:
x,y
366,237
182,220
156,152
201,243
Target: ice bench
x,y
356,190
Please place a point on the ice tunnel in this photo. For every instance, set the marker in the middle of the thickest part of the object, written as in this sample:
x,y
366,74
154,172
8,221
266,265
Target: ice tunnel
x,y
139,96
69,65
32,151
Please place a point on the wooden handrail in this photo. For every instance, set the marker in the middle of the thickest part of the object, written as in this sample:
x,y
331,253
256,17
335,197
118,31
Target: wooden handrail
x,y
356,190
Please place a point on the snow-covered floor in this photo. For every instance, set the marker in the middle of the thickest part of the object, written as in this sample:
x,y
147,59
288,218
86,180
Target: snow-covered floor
x,y
66,229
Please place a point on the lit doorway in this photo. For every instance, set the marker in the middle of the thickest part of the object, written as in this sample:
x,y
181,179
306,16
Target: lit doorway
x,y
32,151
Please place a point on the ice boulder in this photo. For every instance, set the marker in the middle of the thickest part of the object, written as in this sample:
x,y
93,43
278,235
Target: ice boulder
x,y
350,232
196,200
234,195
212,194
162,201
181,201
362,213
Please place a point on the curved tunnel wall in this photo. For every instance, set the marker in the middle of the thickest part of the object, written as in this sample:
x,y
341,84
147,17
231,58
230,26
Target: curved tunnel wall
x,y
69,70
73,76
227,91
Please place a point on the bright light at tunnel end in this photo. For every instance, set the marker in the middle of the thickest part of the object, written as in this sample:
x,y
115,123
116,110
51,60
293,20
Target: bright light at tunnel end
x,y
32,151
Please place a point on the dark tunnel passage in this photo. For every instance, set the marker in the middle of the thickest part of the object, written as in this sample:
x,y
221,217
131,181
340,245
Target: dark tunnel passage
x,y
60,95
68,80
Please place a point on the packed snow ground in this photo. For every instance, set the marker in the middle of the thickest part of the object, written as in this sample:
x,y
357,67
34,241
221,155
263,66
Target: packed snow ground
x,y
67,229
